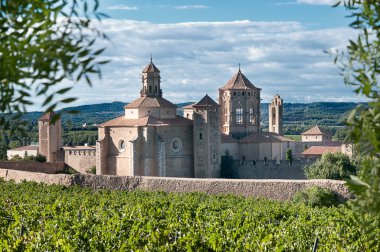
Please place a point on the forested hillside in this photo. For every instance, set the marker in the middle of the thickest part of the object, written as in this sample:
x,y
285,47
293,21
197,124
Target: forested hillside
x,y
295,114
80,128
298,117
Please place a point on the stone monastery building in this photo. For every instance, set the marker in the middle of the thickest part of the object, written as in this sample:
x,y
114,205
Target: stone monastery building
x,y
150,139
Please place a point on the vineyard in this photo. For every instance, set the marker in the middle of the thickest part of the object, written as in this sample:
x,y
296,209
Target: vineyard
x,y
37,217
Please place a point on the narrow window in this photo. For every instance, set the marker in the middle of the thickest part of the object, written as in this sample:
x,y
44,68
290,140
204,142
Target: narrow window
x,y
150,89
239,114
156,89
252,118
200,136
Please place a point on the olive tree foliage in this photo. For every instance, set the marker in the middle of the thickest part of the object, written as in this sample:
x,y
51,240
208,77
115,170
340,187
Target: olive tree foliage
x,y
331,166
360,66
43,43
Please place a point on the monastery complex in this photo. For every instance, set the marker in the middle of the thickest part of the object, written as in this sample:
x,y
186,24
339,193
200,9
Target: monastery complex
x,y
151,139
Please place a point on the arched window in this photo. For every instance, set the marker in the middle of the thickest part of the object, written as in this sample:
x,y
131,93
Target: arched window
x,y
121,145
274,116
251,115
239,114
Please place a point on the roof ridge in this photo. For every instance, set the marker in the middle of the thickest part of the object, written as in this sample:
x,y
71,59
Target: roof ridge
x,y
238,81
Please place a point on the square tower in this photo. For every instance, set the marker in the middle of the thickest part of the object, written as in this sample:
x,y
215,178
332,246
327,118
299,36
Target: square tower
x,y
239,100
207,138
49,137
276,111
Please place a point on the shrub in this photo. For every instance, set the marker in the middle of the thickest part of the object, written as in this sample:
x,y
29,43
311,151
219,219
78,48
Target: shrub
x,y
40,158
92,170
228,169
331,166
316,196
16,158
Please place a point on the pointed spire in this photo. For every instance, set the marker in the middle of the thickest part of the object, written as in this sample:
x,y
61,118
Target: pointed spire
x,y
151,67
239,67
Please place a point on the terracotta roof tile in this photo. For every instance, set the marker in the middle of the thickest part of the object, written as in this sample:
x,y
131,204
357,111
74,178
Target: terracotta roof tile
x,y
316,130
150,102
206,101
26,148
47,117
190,106
319,150
151,68
265,137
90,147
228,139
146,121
238,81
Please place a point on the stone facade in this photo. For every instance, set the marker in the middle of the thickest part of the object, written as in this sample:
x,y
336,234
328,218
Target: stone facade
x,y
207,138
150,139
239,100
81,158
50,138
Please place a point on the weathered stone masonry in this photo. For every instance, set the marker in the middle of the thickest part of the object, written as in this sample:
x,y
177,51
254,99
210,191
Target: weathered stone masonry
x,y
272,189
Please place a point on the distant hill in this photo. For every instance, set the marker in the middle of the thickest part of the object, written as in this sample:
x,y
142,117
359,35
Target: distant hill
x,y
297,116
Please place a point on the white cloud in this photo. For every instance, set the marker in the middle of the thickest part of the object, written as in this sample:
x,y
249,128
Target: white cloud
x,y
190,7
318,2
196,58
123,7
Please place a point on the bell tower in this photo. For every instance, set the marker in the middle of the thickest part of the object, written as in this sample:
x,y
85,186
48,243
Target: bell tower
x,y
151,81
240,107
276,111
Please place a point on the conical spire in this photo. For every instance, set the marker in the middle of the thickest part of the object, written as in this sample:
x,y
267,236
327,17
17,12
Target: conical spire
x,y
151,68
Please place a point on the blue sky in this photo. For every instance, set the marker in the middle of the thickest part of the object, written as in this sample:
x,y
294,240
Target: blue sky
x,y
197,45
315,14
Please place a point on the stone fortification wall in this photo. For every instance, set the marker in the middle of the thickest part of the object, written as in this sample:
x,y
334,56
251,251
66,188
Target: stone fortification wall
x,y
273,189
80,160
46,167
272,171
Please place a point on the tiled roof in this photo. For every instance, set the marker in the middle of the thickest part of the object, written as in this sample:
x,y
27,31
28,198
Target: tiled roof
x,y
238,81
47,117
316,130
319,150
265,137
146,121
26,148
151,68
206,101
228,139
150,102
91,147
190,106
